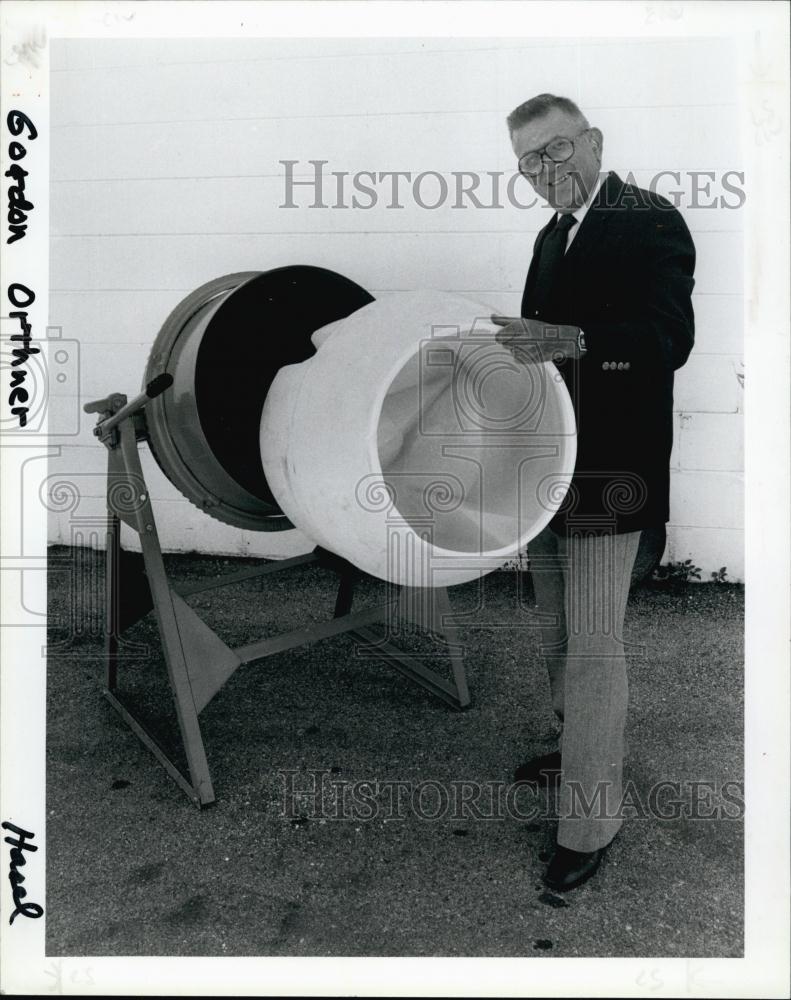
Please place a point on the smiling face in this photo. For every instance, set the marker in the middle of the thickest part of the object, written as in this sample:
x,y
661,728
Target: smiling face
x,y
565,186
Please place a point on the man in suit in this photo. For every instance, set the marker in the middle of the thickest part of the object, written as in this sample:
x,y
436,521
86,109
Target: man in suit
x,y
607,298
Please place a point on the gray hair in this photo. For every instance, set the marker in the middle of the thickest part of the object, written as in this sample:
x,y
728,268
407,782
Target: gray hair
x,y
539,106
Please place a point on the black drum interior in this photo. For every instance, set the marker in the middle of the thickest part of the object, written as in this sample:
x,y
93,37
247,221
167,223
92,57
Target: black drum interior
x,y
263,325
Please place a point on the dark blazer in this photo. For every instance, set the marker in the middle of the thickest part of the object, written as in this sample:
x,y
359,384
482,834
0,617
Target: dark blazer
x,y
626,282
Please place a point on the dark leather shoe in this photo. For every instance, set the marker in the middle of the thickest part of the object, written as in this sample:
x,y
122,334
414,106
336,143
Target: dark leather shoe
x,y
568,868
543,770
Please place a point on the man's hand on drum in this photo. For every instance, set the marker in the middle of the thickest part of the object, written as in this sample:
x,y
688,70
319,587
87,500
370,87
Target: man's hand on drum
x,y
532,341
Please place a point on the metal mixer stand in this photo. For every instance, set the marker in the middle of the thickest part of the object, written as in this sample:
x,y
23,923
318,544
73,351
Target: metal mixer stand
x,y
198,661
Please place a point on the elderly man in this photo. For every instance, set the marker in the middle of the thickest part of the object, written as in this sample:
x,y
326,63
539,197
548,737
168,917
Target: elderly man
x,y
607,298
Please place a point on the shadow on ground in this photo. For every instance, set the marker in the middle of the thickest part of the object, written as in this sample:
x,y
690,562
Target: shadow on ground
x,y
135,869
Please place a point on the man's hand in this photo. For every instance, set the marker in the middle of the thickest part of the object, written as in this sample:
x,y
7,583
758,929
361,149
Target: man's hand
x,y
532,342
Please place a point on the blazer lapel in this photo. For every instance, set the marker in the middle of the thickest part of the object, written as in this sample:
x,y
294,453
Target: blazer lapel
x,y
597,216
587,239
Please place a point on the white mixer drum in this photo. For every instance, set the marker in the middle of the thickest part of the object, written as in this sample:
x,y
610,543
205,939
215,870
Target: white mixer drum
x,y
413,445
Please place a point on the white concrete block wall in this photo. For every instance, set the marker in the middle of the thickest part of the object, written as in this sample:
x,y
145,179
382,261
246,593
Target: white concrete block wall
x,y
165,173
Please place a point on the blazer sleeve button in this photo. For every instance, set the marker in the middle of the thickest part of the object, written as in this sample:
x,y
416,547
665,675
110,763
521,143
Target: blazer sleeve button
x,y
620,366
626,366
605,366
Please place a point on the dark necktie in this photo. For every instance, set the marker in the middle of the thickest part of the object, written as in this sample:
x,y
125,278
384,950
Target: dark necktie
x,y
552,250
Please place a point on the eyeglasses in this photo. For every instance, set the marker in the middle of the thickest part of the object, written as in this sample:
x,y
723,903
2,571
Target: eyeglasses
x,y
558,150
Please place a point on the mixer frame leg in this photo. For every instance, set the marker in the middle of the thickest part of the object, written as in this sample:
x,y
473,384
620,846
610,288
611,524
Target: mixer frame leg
x,y
128,501
198,662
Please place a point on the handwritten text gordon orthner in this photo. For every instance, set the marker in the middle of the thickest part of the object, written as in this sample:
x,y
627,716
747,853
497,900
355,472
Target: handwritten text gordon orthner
x,y
19,295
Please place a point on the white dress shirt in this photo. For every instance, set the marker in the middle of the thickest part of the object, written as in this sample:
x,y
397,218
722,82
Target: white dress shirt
x,y
580,213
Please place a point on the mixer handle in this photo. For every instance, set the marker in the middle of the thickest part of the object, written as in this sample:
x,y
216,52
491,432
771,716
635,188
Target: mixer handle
x,y
117,409
158,385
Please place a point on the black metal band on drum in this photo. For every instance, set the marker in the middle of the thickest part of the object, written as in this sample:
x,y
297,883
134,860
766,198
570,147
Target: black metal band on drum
x,y
209,452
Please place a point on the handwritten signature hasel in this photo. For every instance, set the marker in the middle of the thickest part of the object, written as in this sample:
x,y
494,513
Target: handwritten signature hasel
x,y
19,844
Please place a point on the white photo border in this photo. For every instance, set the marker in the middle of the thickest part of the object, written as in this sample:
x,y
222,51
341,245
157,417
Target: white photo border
x,y
761,32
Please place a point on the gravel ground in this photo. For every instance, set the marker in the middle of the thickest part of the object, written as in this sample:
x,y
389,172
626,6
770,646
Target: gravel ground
x,y
135,869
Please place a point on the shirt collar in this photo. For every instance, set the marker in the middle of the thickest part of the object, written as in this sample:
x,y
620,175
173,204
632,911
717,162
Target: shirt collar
x,y
580,213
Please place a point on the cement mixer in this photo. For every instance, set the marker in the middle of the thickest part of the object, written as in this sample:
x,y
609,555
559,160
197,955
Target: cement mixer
x,y
400,438
398,433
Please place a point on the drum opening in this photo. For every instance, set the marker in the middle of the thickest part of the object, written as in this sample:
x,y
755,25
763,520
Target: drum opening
x,y
466,437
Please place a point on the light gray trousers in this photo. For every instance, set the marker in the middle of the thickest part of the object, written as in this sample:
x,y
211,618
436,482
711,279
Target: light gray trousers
x,y
581,585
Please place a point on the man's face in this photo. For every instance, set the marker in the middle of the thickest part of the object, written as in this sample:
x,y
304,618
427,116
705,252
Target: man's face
x,y
565,186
